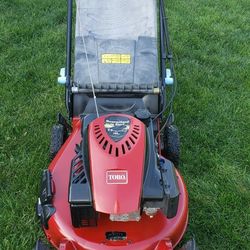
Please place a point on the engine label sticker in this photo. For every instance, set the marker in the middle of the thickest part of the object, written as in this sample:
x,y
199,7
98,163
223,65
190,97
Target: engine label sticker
x,y
119,177
117,127
116,58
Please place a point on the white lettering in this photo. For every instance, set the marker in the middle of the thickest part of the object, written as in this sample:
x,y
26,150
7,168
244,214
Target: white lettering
x,y
116,177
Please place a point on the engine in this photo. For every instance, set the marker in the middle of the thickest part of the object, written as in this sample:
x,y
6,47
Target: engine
x,y
116,171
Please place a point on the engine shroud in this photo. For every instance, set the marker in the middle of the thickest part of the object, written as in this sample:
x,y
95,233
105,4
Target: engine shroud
x,y
116,155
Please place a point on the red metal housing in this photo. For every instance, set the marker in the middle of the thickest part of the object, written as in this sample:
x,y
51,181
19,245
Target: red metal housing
x,y
120,163
157,233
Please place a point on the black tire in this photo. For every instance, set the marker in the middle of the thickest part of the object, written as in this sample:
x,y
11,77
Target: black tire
x,y
190,245
172,144
41,246
58,137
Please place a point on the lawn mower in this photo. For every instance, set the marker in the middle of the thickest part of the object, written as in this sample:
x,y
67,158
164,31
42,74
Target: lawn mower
x,y
113,181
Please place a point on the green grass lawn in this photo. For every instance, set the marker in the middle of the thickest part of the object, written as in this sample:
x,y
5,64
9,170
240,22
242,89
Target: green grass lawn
x,y
212,53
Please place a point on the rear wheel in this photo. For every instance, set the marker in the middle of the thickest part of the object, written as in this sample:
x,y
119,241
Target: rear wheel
x,y
172,144
58,137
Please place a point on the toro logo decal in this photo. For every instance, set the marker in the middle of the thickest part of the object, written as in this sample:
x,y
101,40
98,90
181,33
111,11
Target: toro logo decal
x,y
117,177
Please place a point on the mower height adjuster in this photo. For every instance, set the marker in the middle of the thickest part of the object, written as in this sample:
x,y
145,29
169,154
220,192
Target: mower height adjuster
x,y
44,207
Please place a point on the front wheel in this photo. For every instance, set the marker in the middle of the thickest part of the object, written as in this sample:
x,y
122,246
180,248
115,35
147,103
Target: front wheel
x,y
41,246
190,245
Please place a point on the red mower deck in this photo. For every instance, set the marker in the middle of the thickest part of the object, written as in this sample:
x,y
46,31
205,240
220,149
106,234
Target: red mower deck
x,y
158,233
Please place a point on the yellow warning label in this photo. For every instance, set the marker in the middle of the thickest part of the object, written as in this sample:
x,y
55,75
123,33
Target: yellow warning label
x,y
116,58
